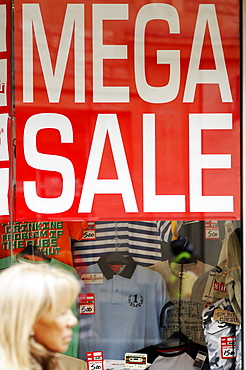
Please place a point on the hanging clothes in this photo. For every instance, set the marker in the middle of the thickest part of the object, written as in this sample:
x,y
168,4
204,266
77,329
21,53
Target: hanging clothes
x,y
53,238
171,354
140,239
223,338
191,310
127,308
233,278
181,362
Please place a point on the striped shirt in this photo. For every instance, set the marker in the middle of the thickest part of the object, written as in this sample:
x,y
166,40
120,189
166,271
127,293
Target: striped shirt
x,y
140,239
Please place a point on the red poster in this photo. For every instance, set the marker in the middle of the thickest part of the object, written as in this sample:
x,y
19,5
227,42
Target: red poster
x,y
5,109
127,110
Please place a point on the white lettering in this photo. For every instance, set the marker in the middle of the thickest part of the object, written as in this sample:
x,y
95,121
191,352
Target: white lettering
x,y
74,22
3,62
4,181
102,93
198,161
4,151
153,202
3,27
74,18
149,93
3,82
4,172
207,15
107,123
48,163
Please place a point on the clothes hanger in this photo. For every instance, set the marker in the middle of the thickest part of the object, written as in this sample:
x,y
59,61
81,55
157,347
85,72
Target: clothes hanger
x,y
183,258
33,251
183,250
176,342
116,258
179,244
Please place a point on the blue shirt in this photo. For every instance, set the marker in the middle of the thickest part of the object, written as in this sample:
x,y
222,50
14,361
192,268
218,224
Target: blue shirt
x,y
127,309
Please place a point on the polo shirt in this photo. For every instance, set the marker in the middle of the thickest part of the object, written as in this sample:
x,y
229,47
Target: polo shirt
x,y
127,309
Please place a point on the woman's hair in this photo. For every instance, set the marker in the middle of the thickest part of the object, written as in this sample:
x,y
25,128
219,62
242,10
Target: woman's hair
x,y
28,292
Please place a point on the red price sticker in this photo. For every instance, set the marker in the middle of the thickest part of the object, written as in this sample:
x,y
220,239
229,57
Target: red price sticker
x,y
228,347
212,230
90,232
94,360
86,304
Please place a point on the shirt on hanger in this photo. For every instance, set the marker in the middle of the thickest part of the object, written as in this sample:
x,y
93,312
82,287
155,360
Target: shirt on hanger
x,y
223,339
180,362
191,348
190,310
140,239
53,238
127,309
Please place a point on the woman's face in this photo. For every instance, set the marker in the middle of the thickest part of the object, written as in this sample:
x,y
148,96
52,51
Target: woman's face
x,y
55,332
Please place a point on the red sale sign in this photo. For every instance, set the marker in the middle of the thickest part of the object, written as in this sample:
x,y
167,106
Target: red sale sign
x,y
5,109
127,110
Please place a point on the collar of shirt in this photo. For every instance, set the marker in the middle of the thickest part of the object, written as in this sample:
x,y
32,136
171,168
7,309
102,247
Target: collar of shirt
x,y
127,272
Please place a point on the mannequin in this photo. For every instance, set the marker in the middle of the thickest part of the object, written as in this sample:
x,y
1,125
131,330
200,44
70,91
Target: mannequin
x,y
180,273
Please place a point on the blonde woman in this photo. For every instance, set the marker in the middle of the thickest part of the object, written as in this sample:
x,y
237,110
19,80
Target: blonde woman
x,y
35,316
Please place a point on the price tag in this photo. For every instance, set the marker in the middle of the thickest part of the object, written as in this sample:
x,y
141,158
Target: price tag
x,y
135,360
92,278
228,347
94,360
212,230
199,360
226,316
86,304
90,232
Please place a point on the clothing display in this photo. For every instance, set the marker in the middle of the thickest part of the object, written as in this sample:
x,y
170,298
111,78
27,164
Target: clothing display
x,y
180,362
191,310
127,308
140,239
200,292
223,338
229,227
53,238
198,295
175,347
219,288
122,163
233,277
5,262
171,273
224,280
132,301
